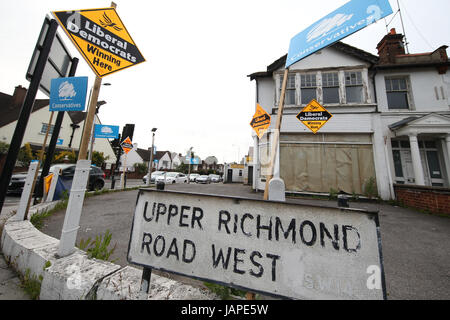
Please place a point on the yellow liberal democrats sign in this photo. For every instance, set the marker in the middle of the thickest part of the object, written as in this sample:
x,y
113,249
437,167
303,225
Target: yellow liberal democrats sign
x,y
260,121
127,145
314,116
101,38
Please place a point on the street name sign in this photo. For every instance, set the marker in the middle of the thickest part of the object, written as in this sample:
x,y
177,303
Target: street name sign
x,y
127,145
260,121
269,247
68,94
101,38
348,19
314,116
106,131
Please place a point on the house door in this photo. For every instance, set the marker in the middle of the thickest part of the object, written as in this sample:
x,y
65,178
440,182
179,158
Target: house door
x,y
433,172
250,175
230,176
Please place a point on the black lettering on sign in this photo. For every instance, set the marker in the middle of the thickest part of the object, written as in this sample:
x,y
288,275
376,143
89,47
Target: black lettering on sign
x,y
263,227
146,218
197,216
159,248
279,225
186,244
146,241
274,258
324,231
220,257
162,209
224,218
237,260
159,239
256,264
313,233
183,216
246,216
173,211
345,229
173,249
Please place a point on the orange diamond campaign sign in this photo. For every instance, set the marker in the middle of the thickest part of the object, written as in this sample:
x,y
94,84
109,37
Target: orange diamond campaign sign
x,y
314,116
127,145
101,38
260,121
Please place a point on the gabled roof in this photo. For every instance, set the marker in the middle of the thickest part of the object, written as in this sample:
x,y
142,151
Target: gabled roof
x,y
343,47
10,113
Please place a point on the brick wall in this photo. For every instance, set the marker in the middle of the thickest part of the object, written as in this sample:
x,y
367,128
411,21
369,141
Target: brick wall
x,y
433,199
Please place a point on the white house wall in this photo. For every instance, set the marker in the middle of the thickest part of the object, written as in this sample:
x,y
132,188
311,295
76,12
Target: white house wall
x,y
38,118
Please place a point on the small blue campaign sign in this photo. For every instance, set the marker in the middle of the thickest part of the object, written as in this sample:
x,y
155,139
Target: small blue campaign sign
x,y
194,161
351,17
59,142
68,94
105,131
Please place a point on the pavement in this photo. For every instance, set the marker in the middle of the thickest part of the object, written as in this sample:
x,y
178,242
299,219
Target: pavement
x,y
414,244
10,284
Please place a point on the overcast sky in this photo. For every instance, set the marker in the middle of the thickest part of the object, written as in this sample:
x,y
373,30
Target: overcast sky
x,y
193,86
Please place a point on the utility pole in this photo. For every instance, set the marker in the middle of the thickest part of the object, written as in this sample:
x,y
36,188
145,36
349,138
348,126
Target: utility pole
x,y
190,160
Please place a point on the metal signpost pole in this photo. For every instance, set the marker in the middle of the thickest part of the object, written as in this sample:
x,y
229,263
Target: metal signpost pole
x,y
25,113
150,166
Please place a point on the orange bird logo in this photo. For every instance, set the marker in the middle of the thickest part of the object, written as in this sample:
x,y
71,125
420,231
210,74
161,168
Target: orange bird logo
x,y
109,23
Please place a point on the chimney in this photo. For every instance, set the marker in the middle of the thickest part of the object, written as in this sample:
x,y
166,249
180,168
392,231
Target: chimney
x,y
18,97
390,46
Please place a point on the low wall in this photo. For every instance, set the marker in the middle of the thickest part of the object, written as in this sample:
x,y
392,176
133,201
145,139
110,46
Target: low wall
x,y
432,199
76,277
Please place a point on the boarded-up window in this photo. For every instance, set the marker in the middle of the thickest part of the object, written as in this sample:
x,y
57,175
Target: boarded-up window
x,y
322,166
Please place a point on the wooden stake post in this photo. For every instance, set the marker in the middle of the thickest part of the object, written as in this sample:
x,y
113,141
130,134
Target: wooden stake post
x,y
276,136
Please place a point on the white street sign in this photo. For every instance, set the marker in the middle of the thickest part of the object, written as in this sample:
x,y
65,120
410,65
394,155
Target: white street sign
x,y
277,248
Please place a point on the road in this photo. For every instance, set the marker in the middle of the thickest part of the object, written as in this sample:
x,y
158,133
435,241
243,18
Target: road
x,y
415,245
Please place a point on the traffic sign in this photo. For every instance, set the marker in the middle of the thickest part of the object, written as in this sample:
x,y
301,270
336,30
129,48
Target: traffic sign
x,y
260,121
101,38
314,116
127,145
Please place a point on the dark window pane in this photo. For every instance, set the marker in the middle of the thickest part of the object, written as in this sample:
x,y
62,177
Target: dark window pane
x,y
397,163
430,144
404,144
433,164
394,144
308,95
290,97
397,100
354,94
330,95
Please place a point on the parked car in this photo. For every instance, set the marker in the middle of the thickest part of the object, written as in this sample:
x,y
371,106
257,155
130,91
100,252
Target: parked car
x,y
153,177
215,178
96,178
193,177
172,177
203,179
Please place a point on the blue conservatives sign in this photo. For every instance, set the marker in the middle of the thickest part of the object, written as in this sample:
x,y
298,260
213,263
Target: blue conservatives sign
x,y
105,131
68,94
351,17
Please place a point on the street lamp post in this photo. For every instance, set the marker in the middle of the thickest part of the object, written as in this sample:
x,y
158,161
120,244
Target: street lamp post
x,y
99,104
151,157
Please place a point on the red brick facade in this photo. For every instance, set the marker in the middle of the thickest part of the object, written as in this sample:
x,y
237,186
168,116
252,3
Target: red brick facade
x,y
433,199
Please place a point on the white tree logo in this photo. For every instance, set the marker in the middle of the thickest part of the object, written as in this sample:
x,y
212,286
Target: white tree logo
x,y
66,91
326,25
106,130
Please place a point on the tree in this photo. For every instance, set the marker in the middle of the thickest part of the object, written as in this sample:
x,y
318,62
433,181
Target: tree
x,y
184,168
25,155
62,156
140,168
4,147
98,158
